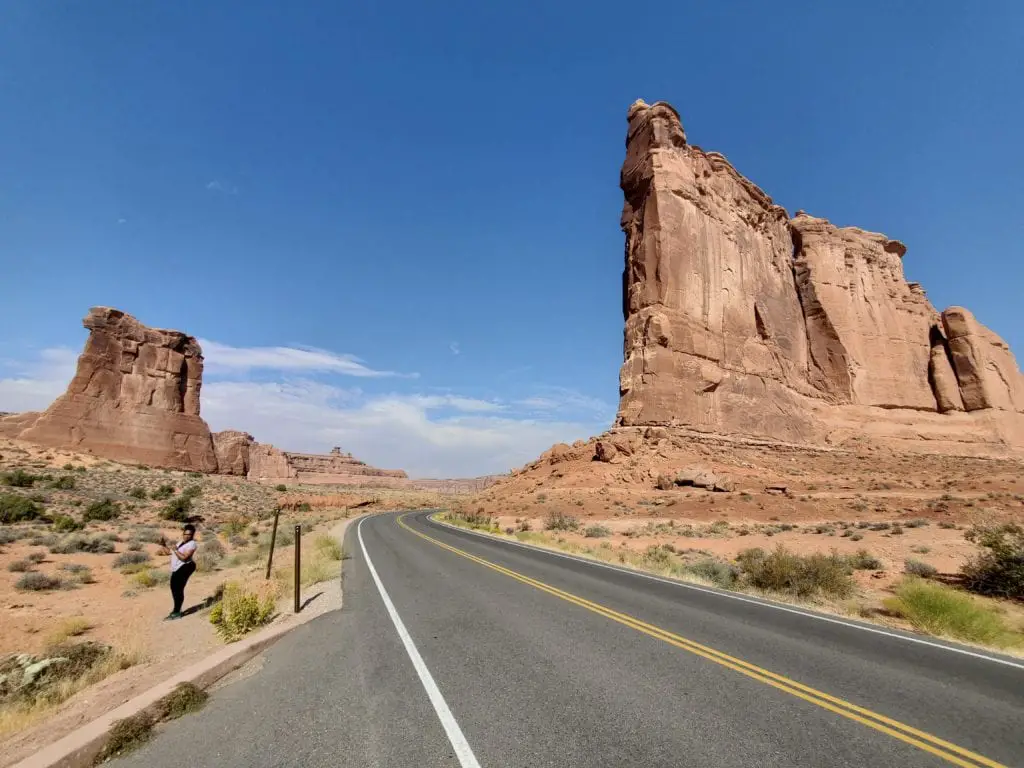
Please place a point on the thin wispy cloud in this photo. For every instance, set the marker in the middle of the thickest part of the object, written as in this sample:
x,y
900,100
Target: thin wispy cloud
x,y
222,186
454,347
122,221
223,358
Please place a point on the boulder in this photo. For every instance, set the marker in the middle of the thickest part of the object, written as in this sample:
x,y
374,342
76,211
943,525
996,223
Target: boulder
x,y
604,451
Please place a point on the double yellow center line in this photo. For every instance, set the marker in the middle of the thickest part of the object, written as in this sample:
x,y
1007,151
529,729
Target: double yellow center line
x,y
950,752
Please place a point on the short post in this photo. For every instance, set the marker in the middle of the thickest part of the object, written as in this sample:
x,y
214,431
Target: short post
x,y
273,538
298,564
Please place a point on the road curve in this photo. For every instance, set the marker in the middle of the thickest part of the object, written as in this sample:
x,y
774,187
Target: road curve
x,y
459,650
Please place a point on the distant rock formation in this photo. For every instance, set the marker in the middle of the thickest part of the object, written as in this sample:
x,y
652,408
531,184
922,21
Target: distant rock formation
x,y
741,321
269,464
134,397
233,449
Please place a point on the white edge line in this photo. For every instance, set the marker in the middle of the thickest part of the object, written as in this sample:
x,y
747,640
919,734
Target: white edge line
x,y
451,727
742,599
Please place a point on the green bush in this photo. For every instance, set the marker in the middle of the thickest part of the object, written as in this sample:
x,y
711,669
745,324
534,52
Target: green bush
x,y
280,487
560,521
940,610
597,532
138,492
18,478
192,491
165,491
802,576
64,483
178,509
999,571
17,509
240,611
66,524
104,510
327,546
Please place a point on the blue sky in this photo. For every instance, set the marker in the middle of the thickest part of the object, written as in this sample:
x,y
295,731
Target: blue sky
x,y
396,228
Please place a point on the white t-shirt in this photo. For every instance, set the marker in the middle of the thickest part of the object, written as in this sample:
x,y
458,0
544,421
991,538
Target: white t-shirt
x,y
177,562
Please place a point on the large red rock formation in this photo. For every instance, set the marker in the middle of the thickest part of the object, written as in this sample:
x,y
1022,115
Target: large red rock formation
x,y
134,397
738,320
232,448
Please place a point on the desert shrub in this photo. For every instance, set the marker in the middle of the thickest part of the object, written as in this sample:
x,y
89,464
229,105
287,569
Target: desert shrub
x,y
560,521
148,577
802,576
66,524
18,478
8,536
234,525
864,561
478,519
185,699
165,491
718,572
280,487
37,582
67,629
64,483
130,558
178,509
240,611
597,531
17,509
238,541
327,546
68,467
940,610
919,568
36,557
19,566
999,571
148,535
77,543
79,573
134,546
897,530
49,540
917,522
127,735
104,510
209,554
947,525
192,491
138,492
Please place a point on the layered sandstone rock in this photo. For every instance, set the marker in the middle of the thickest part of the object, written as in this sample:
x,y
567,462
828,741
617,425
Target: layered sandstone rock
x,y
740,321
134,397
232,448
985,368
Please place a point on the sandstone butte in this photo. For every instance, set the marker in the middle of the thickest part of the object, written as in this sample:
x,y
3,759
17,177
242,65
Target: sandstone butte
x,y
740,320
135,397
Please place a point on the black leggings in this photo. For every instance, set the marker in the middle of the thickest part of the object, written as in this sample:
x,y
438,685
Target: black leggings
x,y
179,579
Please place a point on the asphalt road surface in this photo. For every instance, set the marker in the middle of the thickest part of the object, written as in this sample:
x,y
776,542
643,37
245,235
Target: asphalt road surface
x,y
457,650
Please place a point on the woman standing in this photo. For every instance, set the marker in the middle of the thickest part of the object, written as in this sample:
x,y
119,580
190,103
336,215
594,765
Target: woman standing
x,y
182,566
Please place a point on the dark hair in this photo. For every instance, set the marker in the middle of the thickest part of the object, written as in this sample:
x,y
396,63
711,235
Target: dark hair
x,y
190,528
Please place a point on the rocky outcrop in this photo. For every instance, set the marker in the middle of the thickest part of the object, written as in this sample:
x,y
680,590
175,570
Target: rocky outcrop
x,y
134,397
232,448
741,321
986,370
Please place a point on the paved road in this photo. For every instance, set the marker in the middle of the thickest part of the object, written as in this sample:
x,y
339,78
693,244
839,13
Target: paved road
x,y
525,658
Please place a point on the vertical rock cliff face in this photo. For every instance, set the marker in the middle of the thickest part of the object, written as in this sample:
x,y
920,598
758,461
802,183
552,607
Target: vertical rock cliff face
x,y
713,322
868,329
738,320
134,397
